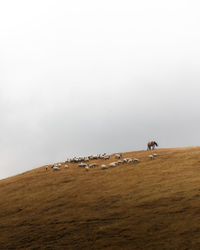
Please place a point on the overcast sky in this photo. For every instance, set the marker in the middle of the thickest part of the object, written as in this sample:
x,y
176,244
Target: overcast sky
x,y
83,77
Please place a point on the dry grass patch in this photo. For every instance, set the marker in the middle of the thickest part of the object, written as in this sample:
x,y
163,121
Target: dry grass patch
x,y
150,205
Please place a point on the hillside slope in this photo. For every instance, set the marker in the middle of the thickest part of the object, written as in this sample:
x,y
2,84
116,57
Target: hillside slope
x,y
154,204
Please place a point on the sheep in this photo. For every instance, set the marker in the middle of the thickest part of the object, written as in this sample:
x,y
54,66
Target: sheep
x,y
151,157
66,166
87,158
113,164
119,162
82,165
92,165
55,168
129,160
125,160
56,165
76,160
101,156
86,168
106,157
103,167
155,154
93,157
136,160
118,156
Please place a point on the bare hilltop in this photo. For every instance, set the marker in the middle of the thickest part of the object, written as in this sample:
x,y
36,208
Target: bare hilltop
x,y
152,204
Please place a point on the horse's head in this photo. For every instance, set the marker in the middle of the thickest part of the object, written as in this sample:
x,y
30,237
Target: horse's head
x,y
156,144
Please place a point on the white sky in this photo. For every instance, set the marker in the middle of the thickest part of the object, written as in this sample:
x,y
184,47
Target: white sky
x,y
82,77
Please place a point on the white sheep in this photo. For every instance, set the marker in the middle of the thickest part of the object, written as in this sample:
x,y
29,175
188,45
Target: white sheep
x,y
66,166
82,165
151,157
113,164
55,168
136,160
93,157
155,154
103,167
125,160
101,156
106,157
118,156
129,160
56,165
86,168
92,165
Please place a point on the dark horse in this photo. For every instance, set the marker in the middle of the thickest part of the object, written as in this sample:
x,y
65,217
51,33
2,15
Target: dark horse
x,y
151,145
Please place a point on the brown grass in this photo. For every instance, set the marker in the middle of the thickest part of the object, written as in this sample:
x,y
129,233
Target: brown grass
x,y
151,205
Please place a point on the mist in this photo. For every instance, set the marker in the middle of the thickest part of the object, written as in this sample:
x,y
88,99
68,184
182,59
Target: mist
x,y
84,77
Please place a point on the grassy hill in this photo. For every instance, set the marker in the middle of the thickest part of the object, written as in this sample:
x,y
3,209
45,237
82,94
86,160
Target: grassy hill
x,y
154,204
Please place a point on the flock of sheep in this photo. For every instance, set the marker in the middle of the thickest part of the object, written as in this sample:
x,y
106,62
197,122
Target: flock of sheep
x,y
83,162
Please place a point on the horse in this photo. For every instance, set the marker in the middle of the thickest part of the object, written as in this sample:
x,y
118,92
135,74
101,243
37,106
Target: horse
x,y
151,145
